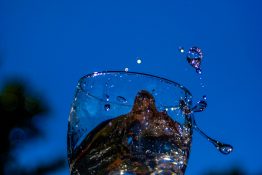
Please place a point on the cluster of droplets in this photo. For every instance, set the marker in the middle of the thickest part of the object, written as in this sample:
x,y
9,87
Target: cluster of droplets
x,y
138,61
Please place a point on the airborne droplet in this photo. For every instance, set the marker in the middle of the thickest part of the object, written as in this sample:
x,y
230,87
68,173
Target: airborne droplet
x,y
138,61
181,49
107,97
199,71
107,107
194,58
225,148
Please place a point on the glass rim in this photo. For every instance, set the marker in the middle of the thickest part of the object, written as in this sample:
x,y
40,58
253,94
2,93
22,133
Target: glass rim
x,y
93,74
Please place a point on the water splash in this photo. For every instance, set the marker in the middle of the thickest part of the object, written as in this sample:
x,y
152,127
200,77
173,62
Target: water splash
x,y
194,58
201,105
126,69
222,147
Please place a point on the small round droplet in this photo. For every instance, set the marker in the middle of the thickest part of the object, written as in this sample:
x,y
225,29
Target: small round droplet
x,y
199,71
121,99
181,49
126,69
107,97
138,61
107,107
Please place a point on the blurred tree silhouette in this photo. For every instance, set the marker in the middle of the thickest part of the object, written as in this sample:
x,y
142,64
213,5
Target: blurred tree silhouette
x,y
232,171
17,111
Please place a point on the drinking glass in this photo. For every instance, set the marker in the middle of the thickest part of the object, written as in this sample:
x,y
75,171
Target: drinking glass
x,y
129,123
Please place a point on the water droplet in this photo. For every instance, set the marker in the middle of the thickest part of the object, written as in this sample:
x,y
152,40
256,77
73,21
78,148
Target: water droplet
x,y
201,105
138,61
126,69
199,71
107,107
107,97
225,148
121,99
194,58
181,49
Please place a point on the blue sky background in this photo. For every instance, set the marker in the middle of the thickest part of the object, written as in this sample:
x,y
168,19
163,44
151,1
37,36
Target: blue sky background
x,y
50,44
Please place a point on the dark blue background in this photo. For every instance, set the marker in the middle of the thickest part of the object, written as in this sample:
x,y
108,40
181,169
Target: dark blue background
x,y
52,43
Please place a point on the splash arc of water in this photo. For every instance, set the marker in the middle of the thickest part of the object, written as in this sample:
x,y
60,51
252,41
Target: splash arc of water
x,y
199,107
222,147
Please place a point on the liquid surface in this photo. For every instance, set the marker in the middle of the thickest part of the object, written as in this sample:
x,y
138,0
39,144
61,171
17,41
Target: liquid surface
x,y
144,141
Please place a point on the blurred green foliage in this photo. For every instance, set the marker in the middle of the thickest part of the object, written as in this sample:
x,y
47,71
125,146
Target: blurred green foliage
x,y
18,108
